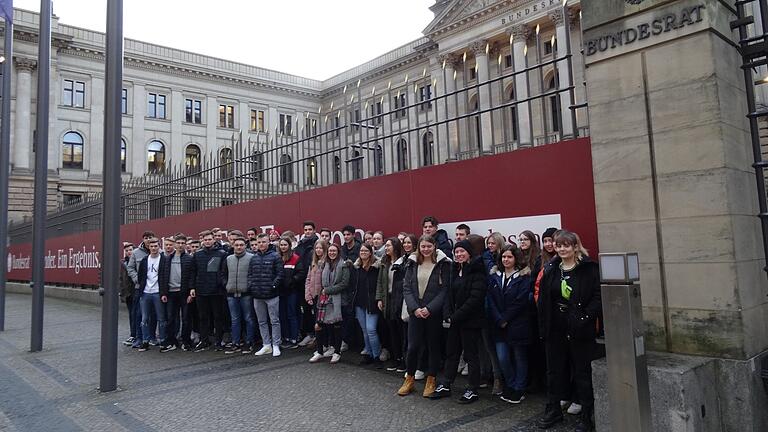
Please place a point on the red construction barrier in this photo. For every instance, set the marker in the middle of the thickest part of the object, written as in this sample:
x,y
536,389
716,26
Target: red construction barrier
x,y
555,179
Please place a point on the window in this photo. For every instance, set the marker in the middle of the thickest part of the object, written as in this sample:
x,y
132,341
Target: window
x,y
354,117
311,172
155,105
123,155
472,72
357,165
428,149
402,154
549,48
425,94
286,169
227,116
155,157
124,102
72,150
336,125
192,205
310,127
193,111
74,93
257,120
227,202
226,163
554,106
258,166
336,169
192,159
513,117
286,124
71,199
508,61
378,160
376,110
399,102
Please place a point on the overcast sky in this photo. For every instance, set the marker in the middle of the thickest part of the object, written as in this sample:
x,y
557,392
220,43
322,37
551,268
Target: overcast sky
x,y
310,38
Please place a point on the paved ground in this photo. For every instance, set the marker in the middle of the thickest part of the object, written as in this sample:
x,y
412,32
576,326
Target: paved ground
x,y
55,390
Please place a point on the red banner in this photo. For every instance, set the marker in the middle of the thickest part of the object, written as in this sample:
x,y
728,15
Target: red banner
x,y
554,179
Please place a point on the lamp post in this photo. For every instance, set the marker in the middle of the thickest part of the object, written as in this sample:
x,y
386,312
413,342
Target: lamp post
x,y
628,393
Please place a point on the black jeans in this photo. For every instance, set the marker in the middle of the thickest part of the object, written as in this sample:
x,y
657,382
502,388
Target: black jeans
x,y
329,335
424,333
207,306
469,340
188,314
396,329
569,370
172,311
131,318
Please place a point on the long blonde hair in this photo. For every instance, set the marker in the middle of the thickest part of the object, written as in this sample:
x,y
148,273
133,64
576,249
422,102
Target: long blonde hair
x,y
319,262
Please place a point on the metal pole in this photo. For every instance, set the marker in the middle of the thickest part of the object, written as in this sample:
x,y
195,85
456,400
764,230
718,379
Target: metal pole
x,y
41,175
5,162
110,240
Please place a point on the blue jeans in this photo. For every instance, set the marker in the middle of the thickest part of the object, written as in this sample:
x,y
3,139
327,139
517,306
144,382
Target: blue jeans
x,y
136,319
289,315
241,309
368,323
151,304
513,360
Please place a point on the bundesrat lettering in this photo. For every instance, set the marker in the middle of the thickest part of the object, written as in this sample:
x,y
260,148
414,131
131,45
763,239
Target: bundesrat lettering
x,y
687,16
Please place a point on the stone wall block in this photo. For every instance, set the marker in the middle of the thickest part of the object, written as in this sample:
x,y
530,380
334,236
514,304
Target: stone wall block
x,y
628,200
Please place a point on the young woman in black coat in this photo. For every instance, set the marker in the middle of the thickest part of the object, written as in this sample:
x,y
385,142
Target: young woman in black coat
x,y
463,319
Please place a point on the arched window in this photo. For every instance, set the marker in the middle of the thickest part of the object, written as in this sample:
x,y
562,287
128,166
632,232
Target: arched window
x,y
378,160
192,159
514,121
226,163
357,165
554,105
336,169
428,149
155,157
286,169
123,154
72,150
311,172
402,154
258,166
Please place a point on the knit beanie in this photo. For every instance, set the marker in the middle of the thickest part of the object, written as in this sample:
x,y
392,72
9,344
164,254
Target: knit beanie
x,y
550,232
464,244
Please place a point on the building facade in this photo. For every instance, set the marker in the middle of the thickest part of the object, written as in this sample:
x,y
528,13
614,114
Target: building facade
x,y
180,108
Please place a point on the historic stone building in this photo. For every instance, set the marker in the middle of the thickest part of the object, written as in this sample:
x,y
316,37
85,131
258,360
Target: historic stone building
x,y
180,106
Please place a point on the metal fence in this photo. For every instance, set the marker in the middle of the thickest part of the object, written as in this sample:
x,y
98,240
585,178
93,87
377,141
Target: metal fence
x,y
364,137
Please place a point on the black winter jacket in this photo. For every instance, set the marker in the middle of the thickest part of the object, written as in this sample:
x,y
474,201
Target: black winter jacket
x,y
304,250
265,273
294,275
362,285
162,272
584,306
434,295
465,299
186,273
205,272
444,243
353,253
511,303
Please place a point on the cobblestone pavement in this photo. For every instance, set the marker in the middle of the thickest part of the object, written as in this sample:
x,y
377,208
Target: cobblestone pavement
x,y
56,389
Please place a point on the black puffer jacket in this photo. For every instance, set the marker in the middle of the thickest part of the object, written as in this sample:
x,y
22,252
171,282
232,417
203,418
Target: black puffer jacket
x,y
186,272
584,306
434,295
294,275
304,250
444,243
205,271
465,299
265,274
362,285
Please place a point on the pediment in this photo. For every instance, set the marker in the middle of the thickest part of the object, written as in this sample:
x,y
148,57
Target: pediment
x,y
459,10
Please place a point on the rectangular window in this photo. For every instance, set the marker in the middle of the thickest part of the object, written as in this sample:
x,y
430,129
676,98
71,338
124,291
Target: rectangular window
x,y
472,73
257,120
74,93
227,202
399,102
193,111
124,102
286,124
336,125
192,205
378,109
155,105
549,48
425,94
227,116
310,127
508,61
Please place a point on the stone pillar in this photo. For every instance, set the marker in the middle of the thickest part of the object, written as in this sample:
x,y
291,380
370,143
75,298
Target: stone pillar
x,y
22,145
481,49
520,35
562,27
673,179
448,105
95,147
138,160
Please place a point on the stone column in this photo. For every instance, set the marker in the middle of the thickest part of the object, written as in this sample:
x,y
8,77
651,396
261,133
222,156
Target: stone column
x,y
22,145
448,105
480,49
562,27
520,35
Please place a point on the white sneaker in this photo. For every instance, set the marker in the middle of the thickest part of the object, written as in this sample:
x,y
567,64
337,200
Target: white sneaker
x,y
335,358
275,350
308,339
564,404
419,375
465,371
364,352
316,357
462,364
574,409
384,356
266,349
329,352
344,347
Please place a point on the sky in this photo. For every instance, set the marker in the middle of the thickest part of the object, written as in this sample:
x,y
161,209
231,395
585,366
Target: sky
x,y
310,38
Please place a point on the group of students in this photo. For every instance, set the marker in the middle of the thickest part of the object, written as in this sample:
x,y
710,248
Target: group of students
x,y
427,306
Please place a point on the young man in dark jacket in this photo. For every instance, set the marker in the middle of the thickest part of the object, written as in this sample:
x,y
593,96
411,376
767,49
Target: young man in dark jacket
x,y
430,227
239,299
265,271
208,291
151,279
350,250
178,269
126,291
304,250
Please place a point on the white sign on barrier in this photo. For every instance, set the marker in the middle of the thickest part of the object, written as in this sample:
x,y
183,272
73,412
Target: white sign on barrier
x,y
509,227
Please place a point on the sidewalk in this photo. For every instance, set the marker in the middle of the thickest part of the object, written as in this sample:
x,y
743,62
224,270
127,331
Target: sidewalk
x,y
55,390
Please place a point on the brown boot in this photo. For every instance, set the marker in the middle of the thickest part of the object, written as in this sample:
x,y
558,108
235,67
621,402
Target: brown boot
x,y
429,387
407,386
